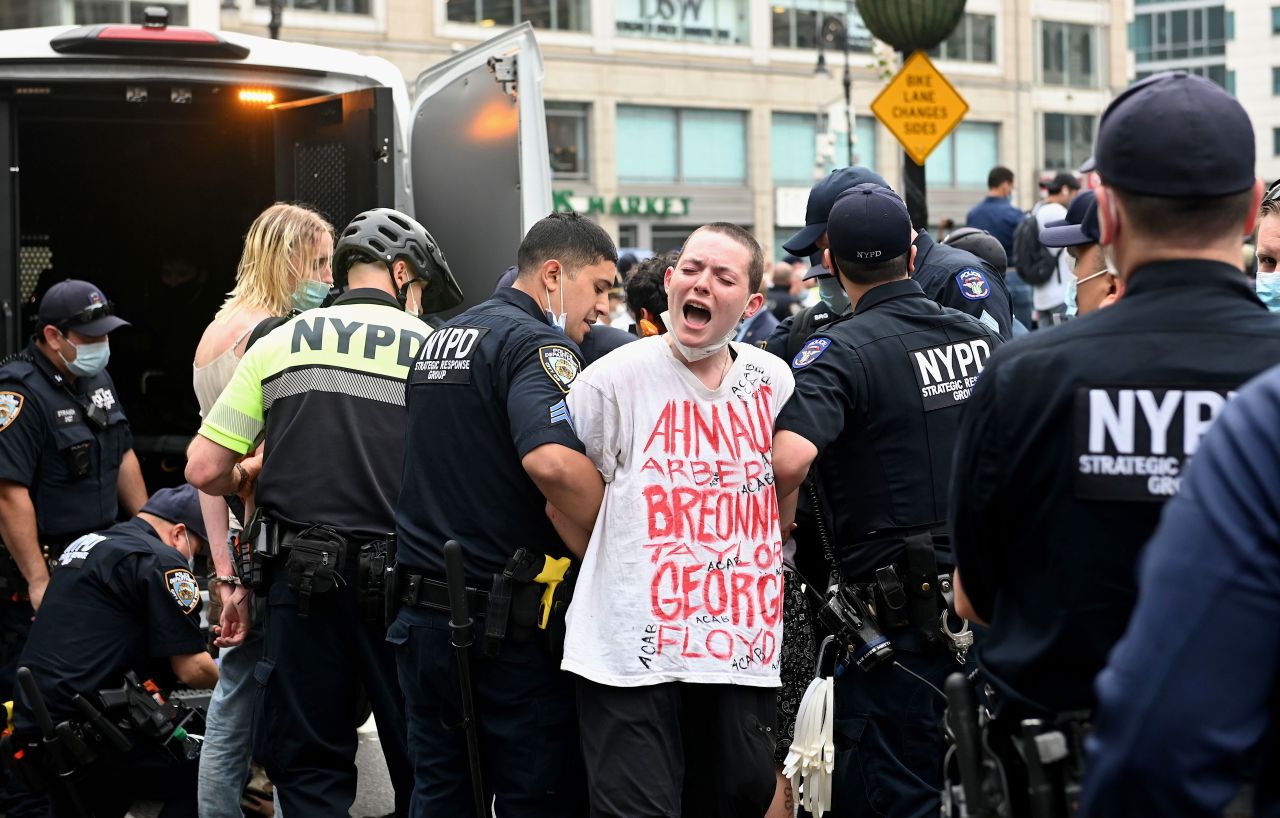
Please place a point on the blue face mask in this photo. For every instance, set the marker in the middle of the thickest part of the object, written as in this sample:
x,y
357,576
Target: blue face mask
x,y
833,294
1072,284
557,321
90,358
1267,286
309,294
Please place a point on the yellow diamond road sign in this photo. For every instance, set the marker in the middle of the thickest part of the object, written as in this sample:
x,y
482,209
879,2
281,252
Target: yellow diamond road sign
x,y
919,107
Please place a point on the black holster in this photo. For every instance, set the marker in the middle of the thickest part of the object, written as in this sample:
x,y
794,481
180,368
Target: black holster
x,y
256,548
316,557
371,589
528,600
391,583
921,568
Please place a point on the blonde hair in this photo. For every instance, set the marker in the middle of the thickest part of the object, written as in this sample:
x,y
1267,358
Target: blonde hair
x,y
279,250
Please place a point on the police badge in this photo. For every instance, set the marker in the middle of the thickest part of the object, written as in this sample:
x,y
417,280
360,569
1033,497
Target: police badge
x,y
10,406
560,364
184,588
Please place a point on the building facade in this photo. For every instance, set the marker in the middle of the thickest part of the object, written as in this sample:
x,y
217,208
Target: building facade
x,y
666,114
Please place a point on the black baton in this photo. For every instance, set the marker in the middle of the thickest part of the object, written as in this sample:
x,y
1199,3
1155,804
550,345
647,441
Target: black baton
x,y
54,742
460,628
962,717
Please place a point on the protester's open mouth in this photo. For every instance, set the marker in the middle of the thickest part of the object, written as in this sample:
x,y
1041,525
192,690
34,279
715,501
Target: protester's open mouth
x,y
696,316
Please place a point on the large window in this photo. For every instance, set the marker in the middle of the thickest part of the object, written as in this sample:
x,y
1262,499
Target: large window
x,y
567,139
1069,54
799,24
1068,140
691,145
1217,73
965,157
974,40
562,15
331,6
707,21
1177,35
91,12
794,147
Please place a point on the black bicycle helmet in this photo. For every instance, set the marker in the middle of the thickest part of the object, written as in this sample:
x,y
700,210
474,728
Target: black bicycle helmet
x,y
982,244
384,235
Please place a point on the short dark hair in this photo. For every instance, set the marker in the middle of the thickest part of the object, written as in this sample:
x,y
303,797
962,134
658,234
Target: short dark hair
x,y
998,176
1269,206
755,267
1186,220
862,273
569,238
645,286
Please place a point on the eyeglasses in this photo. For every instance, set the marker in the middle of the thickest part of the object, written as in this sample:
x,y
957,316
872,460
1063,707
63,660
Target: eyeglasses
x,y
88,314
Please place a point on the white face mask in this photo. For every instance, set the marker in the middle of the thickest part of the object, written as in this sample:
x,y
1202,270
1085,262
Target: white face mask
x,y
560,320
692,354
190,553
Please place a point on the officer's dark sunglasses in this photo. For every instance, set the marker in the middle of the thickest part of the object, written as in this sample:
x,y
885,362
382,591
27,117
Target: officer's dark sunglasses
x,y
88,314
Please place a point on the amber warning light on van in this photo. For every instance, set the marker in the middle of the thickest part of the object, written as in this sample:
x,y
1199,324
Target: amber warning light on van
x,y
257,96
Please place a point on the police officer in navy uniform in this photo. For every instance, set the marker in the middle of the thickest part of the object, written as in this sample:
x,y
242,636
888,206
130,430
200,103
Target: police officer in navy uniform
x,y
879,393
327,390
1074,437
958,279
67,464
493,442
786,339
124,599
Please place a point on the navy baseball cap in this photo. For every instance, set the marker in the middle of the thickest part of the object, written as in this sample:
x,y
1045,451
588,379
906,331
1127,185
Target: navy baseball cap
x,y
178,505
80,306
816,270
1176,134
821,199
869,224
508,278
1079,227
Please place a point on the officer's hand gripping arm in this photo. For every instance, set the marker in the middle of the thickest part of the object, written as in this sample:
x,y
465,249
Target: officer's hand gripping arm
x,y
568,479
18,531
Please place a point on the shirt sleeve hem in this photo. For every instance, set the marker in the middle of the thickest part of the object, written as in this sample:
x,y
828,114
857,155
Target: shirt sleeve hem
x,y
225,439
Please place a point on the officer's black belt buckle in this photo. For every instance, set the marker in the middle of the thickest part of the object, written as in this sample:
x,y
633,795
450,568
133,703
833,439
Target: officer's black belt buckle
x,y
418,591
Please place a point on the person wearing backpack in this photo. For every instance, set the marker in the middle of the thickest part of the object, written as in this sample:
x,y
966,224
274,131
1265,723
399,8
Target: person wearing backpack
x,y
1044,268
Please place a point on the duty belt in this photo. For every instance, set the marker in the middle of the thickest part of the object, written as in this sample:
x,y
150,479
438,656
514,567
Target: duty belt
x,y
418,591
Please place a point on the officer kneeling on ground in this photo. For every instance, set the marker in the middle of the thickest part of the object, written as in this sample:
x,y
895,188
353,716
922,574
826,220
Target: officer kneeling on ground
x,y
121,601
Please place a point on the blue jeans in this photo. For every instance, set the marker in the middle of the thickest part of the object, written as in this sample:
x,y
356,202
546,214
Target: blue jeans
x,y
224,758
1021,294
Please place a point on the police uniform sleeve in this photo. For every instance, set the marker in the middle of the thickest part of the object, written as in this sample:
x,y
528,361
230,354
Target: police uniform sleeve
x,y
23,430
828,381
1189,691
237,418
776,343
540,373
977,538
172,600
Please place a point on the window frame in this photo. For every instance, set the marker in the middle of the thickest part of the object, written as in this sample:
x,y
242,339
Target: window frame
x,y
1072,162
680,179
966,27
584,12
1199,43
1097,55
126,6
740,38
839,8
582,112
951,142
287,5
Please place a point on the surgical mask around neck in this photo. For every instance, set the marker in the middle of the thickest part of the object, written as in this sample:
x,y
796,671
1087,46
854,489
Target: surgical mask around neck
x,y
90,358
833,294
309,294
1267,285
557,321
692,354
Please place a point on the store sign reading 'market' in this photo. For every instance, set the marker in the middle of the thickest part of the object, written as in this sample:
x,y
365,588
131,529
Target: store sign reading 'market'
x,y
658,206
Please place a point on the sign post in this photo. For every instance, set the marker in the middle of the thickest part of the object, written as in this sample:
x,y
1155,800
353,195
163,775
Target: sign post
x,y
920,108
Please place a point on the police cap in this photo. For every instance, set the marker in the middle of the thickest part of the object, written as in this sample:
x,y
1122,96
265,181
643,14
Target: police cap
x,y
981,243
869,224
821,199
178,505
80,306
1079,227
1176,134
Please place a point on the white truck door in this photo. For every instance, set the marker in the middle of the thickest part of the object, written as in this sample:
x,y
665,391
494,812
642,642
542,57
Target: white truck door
x,y
336,153
478,156
10,319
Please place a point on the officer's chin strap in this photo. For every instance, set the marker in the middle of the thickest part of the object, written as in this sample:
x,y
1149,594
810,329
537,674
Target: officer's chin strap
x,y
812,757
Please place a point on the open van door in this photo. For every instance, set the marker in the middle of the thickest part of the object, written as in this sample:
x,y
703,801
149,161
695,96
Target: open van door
x,y
335,153
478,156
10,295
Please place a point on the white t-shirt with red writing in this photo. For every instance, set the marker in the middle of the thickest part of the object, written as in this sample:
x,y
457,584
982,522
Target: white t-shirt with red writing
x,y
682,581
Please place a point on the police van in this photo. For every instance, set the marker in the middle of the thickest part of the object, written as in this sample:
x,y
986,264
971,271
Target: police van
x,y
138,155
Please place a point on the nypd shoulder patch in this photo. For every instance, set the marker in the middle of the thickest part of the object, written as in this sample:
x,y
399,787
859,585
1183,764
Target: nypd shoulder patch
x,y
810,352
184,588
561,365
973,284
10,406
